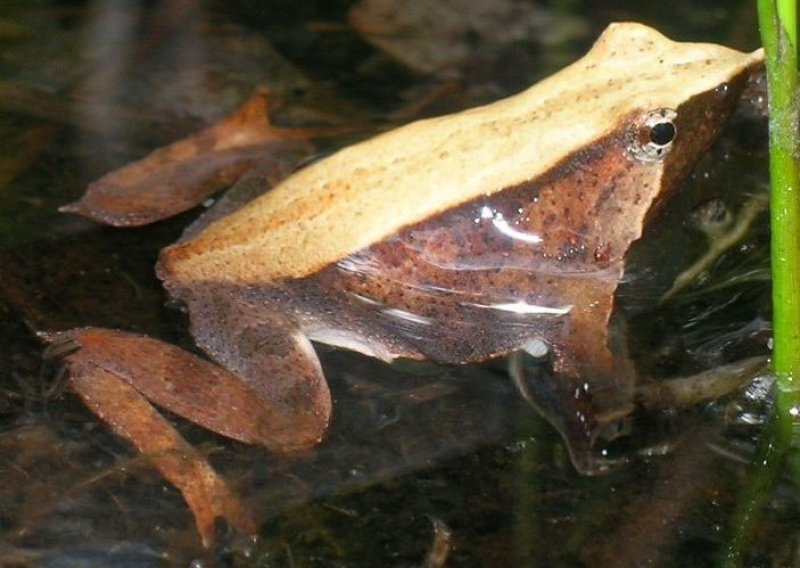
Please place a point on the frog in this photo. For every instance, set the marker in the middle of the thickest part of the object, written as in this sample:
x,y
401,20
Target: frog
x,y
459,239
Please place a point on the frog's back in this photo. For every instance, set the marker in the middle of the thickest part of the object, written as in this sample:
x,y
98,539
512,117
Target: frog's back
x,y
369,191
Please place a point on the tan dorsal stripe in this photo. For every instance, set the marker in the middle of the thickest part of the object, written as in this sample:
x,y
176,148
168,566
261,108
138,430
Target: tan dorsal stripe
x,y
368,191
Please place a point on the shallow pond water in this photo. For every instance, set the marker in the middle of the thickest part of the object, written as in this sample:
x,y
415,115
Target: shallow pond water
x,y
425,465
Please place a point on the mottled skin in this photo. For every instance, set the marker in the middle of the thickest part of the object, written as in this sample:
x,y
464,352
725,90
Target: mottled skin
x,y
446,288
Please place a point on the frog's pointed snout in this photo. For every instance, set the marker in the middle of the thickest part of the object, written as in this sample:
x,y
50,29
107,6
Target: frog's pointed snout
x,y
590,437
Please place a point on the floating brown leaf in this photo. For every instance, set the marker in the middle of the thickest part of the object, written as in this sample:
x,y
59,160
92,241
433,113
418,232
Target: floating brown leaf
x,y
177,177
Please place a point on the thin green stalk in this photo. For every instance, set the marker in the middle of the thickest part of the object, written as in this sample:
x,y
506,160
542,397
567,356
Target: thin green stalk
x,y
778,21
767,466
779,36
787,15
785,195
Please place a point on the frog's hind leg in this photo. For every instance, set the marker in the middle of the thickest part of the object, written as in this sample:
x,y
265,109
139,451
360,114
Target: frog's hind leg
x,y
267,350
115,373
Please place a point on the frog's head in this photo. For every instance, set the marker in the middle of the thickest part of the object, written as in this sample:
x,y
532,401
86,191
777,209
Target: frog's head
x,y
625,125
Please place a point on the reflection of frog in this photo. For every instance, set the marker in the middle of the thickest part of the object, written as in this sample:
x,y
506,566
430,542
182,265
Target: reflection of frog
x,y
459,239
713,217
723,230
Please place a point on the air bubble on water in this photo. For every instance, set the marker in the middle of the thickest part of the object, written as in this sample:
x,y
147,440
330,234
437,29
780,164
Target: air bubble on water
x,y
750,419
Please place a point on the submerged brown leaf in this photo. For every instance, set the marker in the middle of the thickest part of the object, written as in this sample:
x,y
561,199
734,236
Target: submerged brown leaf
x,y
442,37
181,175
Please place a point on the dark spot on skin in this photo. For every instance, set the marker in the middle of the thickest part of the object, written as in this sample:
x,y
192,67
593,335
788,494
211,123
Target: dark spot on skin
x,y
602,254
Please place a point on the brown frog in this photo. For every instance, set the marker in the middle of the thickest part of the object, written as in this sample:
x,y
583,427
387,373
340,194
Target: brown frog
x,y
459,239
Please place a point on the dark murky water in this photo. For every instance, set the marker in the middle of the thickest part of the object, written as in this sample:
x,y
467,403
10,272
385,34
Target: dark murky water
x,y
416,451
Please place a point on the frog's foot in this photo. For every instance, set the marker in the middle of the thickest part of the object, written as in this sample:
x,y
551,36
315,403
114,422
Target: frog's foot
x,y
113,372
568,407
707,385
722,231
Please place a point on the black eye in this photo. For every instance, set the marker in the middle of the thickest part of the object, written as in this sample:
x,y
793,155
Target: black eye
x,y
662,133
651,135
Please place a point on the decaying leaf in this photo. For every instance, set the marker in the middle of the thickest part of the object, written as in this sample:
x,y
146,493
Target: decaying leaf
x,y
439,37
177,177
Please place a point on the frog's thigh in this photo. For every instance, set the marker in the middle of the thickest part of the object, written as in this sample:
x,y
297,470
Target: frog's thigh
x,y
268,351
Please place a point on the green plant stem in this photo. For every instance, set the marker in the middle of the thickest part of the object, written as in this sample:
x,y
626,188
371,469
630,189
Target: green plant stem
x,y
767,466
780,39
784,199
778,23
787,15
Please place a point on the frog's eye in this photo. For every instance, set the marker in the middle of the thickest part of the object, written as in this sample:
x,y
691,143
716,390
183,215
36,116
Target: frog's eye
x,y
650,137
662,134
